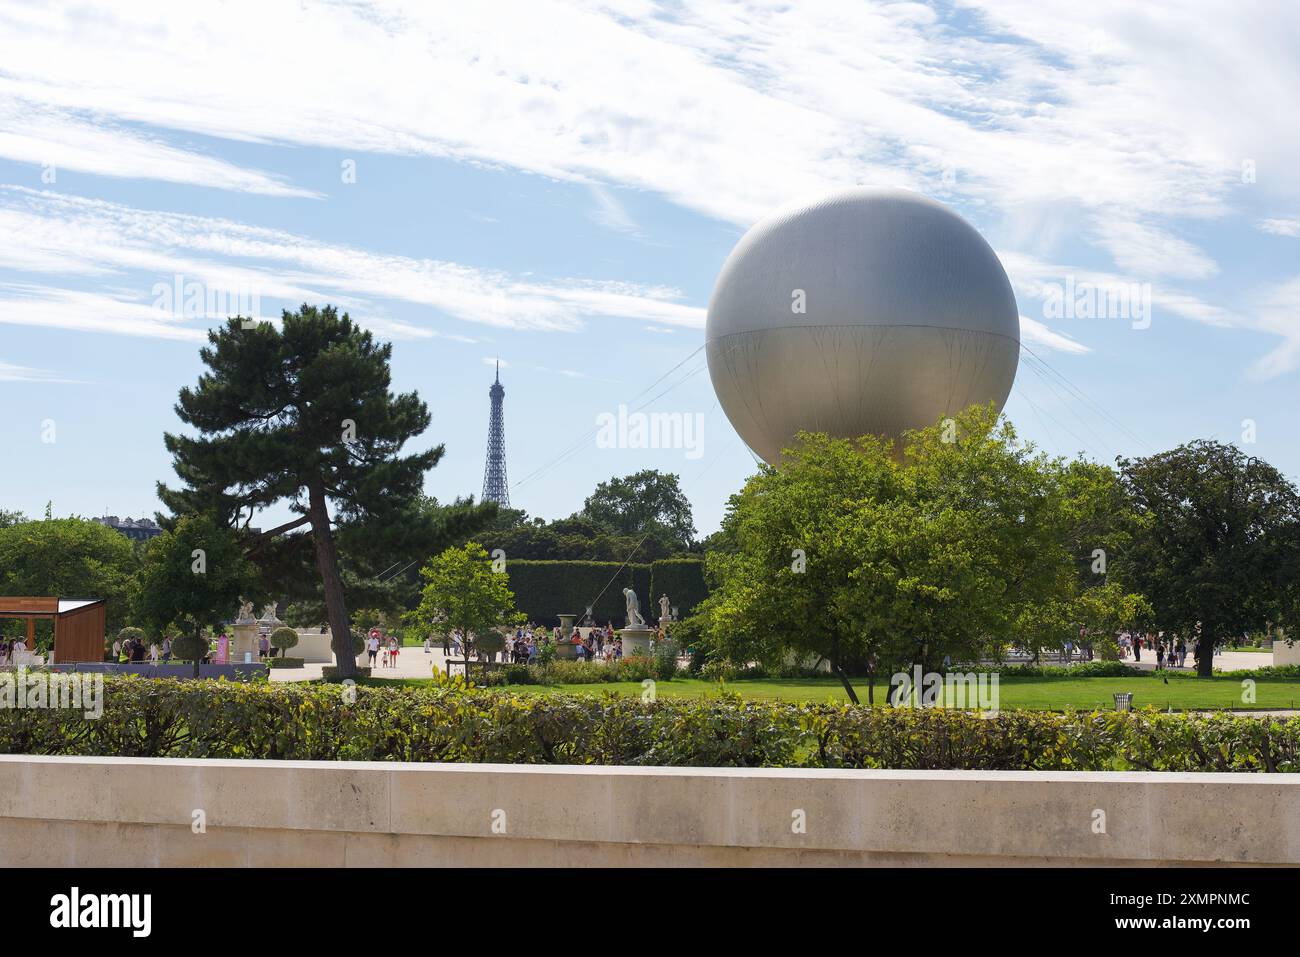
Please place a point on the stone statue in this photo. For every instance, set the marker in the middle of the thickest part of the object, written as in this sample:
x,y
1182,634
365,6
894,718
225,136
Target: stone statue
x,y
665,609
268,613
633,608
245,612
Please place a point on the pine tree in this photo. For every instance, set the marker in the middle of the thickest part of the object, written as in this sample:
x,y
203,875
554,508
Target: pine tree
x,y
302,415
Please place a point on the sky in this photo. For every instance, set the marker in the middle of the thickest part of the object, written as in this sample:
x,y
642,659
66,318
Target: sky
x,y
555,186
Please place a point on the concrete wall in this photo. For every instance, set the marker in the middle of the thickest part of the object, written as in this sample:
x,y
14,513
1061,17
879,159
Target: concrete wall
x,y
138,812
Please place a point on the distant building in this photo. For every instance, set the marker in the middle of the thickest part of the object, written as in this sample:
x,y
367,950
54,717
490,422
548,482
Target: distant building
x,y
141,529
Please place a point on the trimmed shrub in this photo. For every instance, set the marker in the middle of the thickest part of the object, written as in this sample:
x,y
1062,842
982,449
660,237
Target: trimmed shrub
x,y
452,722
682,580
1084,669
189,647
282,662
284,639
544,590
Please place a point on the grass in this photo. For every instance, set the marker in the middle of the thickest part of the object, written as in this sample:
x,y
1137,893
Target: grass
x,y
1047,694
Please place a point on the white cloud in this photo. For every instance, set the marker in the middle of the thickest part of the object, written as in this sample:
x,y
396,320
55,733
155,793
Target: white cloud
x,y
1149,253
55,140
727,108
611,213
1277,310
51,233
1281,227
1037,334
15,373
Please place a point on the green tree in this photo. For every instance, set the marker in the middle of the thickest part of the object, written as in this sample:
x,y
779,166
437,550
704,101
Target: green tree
x,y
72,557
877,561
193,577
9,517
303,415
463,592
649,503
1218,550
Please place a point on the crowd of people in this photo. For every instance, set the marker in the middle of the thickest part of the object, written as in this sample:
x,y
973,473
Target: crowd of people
x,y
528,644
598,644
1170,651
134,650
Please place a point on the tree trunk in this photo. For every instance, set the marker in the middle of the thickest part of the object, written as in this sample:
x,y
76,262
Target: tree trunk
x,y
844,680
198,637
1205,654
327,563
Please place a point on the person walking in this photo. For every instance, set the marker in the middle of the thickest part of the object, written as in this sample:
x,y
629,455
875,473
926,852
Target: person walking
x,y
372,647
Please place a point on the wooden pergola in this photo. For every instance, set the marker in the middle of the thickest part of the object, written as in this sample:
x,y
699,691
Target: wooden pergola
x,y
79,624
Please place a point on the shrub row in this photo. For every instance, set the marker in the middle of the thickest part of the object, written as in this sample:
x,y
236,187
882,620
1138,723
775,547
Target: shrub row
x,y
556,672
208,719
546,589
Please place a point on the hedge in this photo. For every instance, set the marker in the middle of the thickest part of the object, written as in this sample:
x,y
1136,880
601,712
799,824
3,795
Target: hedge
x,y
682,580
213,719
545,589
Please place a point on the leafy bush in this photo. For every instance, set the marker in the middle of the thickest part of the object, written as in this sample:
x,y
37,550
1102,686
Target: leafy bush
x,y
719,669
282,662
456,722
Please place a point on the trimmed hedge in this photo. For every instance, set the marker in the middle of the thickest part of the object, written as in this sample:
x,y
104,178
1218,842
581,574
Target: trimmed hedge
x,y
544,590
682,580
210,719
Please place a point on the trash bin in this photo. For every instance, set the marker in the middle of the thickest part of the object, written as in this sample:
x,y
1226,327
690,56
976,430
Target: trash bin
x,y
1124,701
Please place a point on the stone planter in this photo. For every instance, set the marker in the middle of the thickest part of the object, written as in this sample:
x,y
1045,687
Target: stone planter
x,y
566,651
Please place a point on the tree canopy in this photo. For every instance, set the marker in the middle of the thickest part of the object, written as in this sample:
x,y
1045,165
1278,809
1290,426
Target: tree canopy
x,y
1218,553
69,556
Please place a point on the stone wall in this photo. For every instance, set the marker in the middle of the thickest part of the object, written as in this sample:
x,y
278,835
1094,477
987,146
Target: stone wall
x,y
140,812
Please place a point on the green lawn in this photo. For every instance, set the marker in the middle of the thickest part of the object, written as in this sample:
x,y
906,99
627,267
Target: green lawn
x,y
1054,694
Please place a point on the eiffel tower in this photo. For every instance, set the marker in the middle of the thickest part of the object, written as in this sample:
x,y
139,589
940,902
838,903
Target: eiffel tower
x,y
494,472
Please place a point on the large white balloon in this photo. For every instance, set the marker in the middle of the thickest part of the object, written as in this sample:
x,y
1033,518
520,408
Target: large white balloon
x,y
870,311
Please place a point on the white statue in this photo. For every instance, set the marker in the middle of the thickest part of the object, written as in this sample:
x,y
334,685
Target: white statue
x,y
665,609
268,613
633,608
245,612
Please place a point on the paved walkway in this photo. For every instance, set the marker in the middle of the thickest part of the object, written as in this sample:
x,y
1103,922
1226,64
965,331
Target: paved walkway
x,y
412,662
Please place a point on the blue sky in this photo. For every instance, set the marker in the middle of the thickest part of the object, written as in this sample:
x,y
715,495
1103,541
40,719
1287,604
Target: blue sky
x,y
557,185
